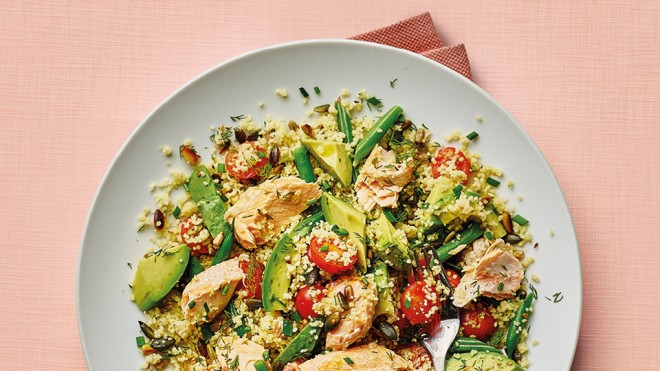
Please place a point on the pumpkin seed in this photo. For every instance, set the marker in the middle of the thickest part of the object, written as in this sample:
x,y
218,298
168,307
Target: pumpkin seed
x,y
253,136
201,347
159,219
308,130
274,157
506,222
162,364
512,239
313,277
449,237
146,330
162,344
348,292
253,304
332,321
293,125
406,124
322,108
342,301
387,330
240,135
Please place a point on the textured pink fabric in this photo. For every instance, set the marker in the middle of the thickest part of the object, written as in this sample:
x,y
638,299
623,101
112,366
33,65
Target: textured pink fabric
x,y
582,77
418,35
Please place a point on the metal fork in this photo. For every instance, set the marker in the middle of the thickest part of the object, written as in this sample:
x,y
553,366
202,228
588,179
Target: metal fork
x,y
440,335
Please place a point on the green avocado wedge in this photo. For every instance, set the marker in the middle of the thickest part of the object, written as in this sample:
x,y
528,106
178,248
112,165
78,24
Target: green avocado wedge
x,y
157,274
481,361
209,203
301,346
388,247
276,280
341,214
333,158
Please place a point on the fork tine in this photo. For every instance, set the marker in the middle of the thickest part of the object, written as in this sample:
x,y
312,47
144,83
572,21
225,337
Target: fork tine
x,y
411,274
418,267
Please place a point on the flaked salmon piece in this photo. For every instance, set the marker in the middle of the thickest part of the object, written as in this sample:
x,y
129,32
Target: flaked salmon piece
x,y
381,179
264,210
237,354
357,320
370,357
497,275
208,293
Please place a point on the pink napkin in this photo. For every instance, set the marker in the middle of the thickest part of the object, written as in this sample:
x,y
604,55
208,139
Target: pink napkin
x,y
418,35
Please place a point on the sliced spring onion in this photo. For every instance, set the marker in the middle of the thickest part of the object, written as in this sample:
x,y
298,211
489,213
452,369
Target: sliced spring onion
x,y
192,304
407,303
349,361
472,136
317,90
225,290
303,92
457,190
374,101
324,248
176,212
493,182
489,235
139,341
500,286
519,220
221,168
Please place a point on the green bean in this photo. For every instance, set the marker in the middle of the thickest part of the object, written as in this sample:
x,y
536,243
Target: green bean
x,y
227,243
304,166
471,233
344,122
518,321
376,133
465,345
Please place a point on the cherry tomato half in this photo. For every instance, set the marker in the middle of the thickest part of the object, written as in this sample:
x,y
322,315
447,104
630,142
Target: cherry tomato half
x,y
416,305
254,275
320,254
478,322
305,301
192,234
454,277
450,154
417,355
245,160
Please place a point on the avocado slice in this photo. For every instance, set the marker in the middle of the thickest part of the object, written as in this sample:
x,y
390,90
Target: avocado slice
x,y
333,158
209,203
276,281
343,215
385,303
301,346
483,361
388,247
157,274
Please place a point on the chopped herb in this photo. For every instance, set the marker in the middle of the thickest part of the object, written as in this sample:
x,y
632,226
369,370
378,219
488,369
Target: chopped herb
x,y
317,90
130,265
237,118
221,168
493,182
261,154
206,308
192,304
225,290
324,248
457,190
419,191
296,316
303,92
519,219
500,286
287,327
177,212
407,303
234,363
139,341
349,361
392,83
224,198
339,231
390,355
326,185
556,297
374,101
472,136
489,235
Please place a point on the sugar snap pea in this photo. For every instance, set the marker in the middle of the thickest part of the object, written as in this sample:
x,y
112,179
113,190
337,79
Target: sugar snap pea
x,y
344,121
366,144
304,166
518,321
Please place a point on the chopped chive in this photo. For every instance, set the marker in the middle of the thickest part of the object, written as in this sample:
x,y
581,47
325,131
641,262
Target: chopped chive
x,y
139,341
177,212
225,290
472,194
500,286
261,154
489,235
221,168
473,168
493,182
324,248
224,198
339,231
317,90
519,219
392,83
326,185
374,101
407,303
206,308
457,190
237,118
287,327
260,365
349,361
192,304
472,136
389,216
303,92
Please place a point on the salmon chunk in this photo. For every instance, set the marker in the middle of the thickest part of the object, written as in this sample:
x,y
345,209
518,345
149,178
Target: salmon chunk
x,y
370,357
237,354
210,291
381,179
357,320
263,211
497,275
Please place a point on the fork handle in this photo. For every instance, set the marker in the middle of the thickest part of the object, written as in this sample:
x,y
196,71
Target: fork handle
x,y
439,345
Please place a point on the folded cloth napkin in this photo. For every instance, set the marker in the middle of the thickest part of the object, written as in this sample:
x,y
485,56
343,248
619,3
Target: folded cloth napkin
x,y
418,35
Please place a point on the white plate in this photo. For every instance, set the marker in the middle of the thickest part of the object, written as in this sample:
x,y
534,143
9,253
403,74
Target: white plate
x,y
429,93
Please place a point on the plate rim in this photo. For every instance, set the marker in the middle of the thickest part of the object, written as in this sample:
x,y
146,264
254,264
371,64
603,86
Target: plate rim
x,y
316,42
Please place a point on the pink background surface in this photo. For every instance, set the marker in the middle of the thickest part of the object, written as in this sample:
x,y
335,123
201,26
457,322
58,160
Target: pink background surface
x,y
76,78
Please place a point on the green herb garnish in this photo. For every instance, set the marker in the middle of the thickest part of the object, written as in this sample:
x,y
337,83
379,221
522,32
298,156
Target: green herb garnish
x,y
237,118
287,327
317,90
407,303
457,190
519,220
303,92
472,136
192,304
349,361
139,341
392,83
176,212
324,248
493,182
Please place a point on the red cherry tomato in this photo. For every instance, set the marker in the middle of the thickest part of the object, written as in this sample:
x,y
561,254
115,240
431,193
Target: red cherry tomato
x,y
417,355
305,301
191,234
320,254
254,275
245,160
477,322
416,304
450,154
454,277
